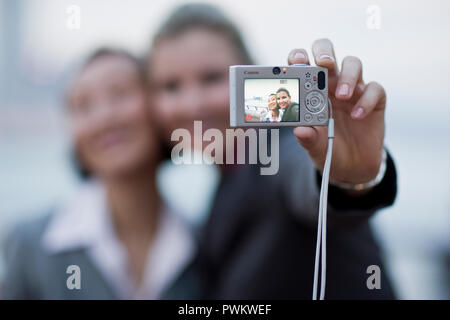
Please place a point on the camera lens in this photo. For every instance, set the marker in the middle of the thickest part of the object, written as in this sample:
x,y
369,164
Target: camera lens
x,y
276,70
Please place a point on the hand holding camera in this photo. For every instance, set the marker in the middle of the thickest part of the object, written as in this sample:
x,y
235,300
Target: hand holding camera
x,y
358,110
298,96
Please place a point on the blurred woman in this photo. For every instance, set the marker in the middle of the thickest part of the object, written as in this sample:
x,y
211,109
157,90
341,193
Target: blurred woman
x,y
275,113
263,247
114,238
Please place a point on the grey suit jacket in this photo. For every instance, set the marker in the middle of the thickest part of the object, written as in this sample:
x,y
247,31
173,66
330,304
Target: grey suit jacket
x,y
34,273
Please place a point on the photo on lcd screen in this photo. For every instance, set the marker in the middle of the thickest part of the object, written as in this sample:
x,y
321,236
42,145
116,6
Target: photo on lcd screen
x,y
271,100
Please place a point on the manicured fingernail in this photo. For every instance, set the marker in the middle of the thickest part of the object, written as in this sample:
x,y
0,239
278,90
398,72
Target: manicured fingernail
x,y
343,89
358,113
325,57
299,55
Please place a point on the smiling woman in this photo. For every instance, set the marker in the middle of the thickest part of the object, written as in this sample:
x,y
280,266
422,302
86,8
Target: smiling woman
x,y
115,222
107,105
259,227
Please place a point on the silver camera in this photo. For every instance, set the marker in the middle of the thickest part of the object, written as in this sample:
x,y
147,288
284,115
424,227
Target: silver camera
x,y
274,96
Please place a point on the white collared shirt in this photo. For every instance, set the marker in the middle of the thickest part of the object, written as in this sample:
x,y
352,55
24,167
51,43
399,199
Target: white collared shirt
x,y
269,118
85,222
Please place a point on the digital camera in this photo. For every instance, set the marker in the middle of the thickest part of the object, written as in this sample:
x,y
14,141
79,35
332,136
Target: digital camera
x,y
274,96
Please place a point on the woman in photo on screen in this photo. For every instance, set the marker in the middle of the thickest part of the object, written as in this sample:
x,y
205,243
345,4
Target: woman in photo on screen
x,y
275,113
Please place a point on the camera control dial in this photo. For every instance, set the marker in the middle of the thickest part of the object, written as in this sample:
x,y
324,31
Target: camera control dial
x,y
315,102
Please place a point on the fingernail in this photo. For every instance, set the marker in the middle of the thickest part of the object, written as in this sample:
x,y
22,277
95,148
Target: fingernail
x,y
299,55
358,113
325,57
343,89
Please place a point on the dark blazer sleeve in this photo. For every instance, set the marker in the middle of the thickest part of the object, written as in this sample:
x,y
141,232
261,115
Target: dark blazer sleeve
x,y
300,184
380,196
259,242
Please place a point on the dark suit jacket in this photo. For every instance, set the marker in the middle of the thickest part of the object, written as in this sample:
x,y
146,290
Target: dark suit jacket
x,y
260,240
291,113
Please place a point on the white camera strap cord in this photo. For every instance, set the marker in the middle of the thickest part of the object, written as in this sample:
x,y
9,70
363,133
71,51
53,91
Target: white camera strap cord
x,y
321,245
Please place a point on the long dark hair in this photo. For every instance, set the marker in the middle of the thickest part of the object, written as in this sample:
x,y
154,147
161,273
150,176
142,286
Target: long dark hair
x,y
206,16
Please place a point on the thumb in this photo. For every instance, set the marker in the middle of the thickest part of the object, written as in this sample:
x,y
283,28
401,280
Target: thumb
x,y
315,141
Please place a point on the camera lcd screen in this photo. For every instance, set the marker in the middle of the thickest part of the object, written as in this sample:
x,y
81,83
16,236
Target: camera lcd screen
x,y
271,100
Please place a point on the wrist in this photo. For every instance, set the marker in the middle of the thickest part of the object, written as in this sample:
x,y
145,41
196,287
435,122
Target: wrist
x,y
358,188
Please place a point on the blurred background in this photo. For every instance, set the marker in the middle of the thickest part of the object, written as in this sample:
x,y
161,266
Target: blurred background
x,y
404,45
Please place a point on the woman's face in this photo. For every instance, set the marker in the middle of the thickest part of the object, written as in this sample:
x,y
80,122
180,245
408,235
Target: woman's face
x,y
272,102
189,80
109,117
283,99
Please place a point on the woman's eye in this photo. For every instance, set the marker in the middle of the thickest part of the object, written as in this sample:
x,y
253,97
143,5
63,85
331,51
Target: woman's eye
x,y
213,78
171,86
82,107
118,92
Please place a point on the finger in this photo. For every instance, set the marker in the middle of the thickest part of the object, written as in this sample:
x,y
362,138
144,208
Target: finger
x,y
323,52
298,56
314,140
350,76
373,97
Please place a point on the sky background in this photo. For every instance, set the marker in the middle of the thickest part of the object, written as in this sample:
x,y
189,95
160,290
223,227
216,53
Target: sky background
x,y
406,50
